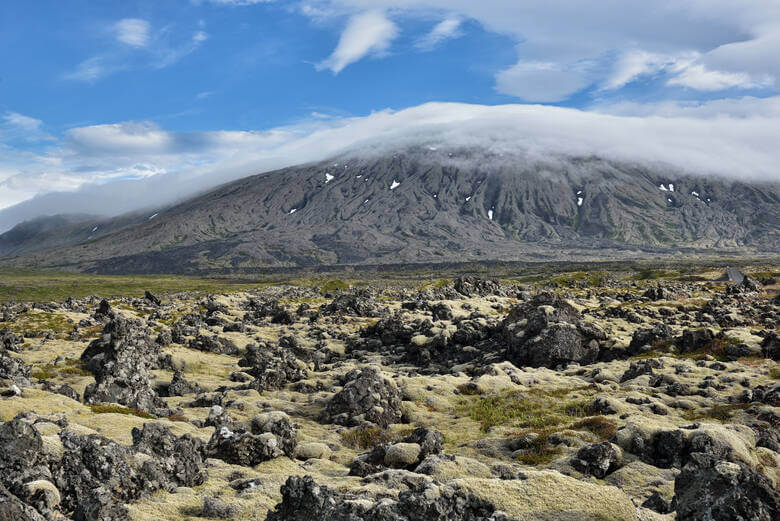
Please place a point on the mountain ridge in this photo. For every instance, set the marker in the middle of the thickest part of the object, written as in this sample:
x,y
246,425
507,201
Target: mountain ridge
x,y
424,203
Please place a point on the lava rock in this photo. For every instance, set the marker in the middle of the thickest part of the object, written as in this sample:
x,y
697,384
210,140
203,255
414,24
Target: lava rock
x,y
366,397
708,488
598,459
121,360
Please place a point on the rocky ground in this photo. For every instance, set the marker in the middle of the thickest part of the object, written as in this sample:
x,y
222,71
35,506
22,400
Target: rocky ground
x,y
582,398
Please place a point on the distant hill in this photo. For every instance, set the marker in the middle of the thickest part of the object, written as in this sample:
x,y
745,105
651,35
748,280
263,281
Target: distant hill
x,y
420,204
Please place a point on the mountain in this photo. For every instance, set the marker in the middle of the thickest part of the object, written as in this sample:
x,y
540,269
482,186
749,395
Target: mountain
x,y
423,204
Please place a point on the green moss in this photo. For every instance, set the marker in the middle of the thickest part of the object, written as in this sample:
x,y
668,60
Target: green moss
x,y
601,426
540,452
722,413
69,367
334,285
534,409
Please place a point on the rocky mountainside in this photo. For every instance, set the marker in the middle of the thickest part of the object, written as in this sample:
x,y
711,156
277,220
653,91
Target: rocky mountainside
x,y
425,204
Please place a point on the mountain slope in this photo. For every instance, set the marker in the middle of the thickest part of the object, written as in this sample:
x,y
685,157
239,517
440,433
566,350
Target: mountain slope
x,y
428,204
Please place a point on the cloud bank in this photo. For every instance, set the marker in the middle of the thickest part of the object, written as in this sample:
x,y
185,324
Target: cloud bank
x,y
567,46
111,169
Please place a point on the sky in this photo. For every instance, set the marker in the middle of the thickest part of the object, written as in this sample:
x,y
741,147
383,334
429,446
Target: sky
x,y
183,94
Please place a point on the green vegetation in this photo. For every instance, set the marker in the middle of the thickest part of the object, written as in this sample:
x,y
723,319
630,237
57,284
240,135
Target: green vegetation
x,y
722,413
580,278
105,408
601,426
533,409
35,321
334,285
774,372
67,368
540,451
44,286
366,438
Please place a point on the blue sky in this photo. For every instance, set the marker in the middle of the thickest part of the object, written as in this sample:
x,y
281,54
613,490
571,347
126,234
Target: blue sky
x,y
94,92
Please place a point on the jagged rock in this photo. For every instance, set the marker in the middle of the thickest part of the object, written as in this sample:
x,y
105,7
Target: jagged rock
x,y
10,341
646,339
712,489
271,369
179,386
165,338
14,509
360,303
367,396
64,389
304,500
770,347
269,435
13,369
658,292
657,503
152,298
547,331
179,458
639,368
121,360
694,339
747,285
598,459
474,286
441,311
214,344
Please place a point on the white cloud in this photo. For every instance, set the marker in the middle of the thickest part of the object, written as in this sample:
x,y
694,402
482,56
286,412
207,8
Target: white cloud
x,y
736,42
730,139
540,81
633,64
699,77
366,33
444,30
148,49
133,32
21,121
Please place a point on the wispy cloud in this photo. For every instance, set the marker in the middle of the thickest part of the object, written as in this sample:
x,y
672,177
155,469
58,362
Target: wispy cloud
x,y
444,30
366,33
699,77
139,47
133,32
21,121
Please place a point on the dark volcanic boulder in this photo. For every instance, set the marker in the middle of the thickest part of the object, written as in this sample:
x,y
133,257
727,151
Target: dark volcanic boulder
x,y
10,341
695,339
359,303
547,331
214,344
272,368
304,500
598,459
770,347
13,509
710,489
13,369
367,396
476,287
179,386
268,436
121,360
645,340
406,454
178,459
